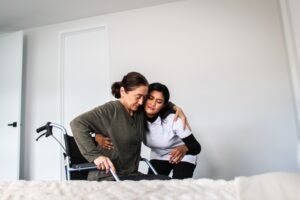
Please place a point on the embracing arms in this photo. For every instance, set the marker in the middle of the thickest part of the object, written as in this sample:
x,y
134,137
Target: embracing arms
x,y
191,146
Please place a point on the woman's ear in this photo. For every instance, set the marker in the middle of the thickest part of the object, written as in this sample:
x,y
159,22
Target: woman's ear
x,y
122,91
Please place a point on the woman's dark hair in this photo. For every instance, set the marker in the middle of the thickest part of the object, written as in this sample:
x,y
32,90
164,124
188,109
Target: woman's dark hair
x,y
160,88
129,82
168,106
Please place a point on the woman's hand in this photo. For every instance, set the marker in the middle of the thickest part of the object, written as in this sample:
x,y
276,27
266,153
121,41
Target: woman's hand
x,y
104,163
179,113
103,142
177,154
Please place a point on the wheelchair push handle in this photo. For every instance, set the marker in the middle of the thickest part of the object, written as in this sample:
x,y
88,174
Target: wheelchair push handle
x,y
46,127
42,128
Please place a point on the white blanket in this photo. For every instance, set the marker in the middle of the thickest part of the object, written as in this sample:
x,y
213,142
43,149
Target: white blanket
x,y
271,186
126,190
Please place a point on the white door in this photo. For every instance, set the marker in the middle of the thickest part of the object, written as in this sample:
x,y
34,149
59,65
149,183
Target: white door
x,y
11,51
85,71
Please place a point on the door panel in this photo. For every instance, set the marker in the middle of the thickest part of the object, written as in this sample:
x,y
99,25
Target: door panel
x,y
85,72
11,51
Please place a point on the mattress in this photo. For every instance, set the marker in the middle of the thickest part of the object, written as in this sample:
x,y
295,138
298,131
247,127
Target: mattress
x,y
273,186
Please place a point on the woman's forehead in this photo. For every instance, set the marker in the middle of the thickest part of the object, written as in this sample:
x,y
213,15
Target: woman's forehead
x,y
143,90
157,94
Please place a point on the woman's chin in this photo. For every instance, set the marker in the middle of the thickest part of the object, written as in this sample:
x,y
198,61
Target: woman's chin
x,y
150,114
134,108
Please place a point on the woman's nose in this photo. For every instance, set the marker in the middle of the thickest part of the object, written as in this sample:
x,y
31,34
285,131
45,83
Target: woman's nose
x,y
152,103
140,101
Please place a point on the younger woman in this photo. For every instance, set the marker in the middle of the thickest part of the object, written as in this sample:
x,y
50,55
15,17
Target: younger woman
x,y
172,146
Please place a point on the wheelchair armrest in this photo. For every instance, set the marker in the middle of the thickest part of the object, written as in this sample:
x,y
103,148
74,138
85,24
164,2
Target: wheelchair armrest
x,y
90,166
83,166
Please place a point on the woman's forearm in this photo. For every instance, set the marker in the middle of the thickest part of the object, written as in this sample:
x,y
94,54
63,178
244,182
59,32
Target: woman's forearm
x,y
192,144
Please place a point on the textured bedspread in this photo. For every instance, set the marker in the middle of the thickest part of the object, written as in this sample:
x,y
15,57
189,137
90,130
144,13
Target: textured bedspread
x,y
242,188
273,186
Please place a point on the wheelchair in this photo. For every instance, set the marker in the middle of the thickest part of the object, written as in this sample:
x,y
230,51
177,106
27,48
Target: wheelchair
x,y
76,166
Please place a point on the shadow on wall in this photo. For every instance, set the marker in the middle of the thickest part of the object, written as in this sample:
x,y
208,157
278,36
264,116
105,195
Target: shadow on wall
x,y
299,155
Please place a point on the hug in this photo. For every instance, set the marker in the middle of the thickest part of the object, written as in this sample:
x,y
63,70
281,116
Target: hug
x,y
142,113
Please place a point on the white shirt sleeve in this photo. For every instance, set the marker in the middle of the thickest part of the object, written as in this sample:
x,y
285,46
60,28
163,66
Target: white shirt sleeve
x,y
178,129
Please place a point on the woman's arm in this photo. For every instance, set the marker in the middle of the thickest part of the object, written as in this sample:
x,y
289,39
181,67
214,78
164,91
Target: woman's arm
x,y
191,147
187,137
172,108
81,128
192,144
177,154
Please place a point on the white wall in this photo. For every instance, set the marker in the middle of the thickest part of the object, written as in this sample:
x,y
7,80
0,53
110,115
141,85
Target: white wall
x,y
225,63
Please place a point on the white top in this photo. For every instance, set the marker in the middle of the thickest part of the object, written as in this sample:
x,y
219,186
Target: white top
x,y
164,136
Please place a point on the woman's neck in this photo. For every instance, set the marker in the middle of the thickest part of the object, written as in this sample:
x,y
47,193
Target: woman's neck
x,y
151,115
151,118
130,112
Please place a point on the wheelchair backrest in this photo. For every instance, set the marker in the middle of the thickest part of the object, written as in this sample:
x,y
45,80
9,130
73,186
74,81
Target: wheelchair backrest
x,y
72,150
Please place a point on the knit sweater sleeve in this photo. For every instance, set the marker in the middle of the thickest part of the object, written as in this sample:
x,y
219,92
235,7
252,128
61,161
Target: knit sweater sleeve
x,y
94,121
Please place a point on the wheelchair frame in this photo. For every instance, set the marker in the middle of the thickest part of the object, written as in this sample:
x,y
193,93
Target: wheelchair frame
x,y
66,152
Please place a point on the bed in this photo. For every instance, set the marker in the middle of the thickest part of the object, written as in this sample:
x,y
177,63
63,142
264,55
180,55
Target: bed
x,y
273,186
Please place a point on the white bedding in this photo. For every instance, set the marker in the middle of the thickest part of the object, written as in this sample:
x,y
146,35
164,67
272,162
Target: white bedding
x,y
273,186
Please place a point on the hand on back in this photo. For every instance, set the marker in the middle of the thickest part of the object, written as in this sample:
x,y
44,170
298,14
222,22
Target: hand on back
x,y
103,141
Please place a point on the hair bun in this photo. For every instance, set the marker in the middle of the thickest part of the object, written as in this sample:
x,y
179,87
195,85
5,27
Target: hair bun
x,y
115,89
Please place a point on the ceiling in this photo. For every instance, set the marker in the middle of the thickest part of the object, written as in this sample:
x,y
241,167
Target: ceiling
x,y
24,14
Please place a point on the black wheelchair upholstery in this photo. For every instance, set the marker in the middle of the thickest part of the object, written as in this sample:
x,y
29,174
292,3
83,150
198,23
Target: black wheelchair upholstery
x,y
76,160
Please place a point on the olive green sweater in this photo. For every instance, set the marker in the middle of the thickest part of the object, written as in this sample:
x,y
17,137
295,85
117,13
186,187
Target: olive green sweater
x,y
125,131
